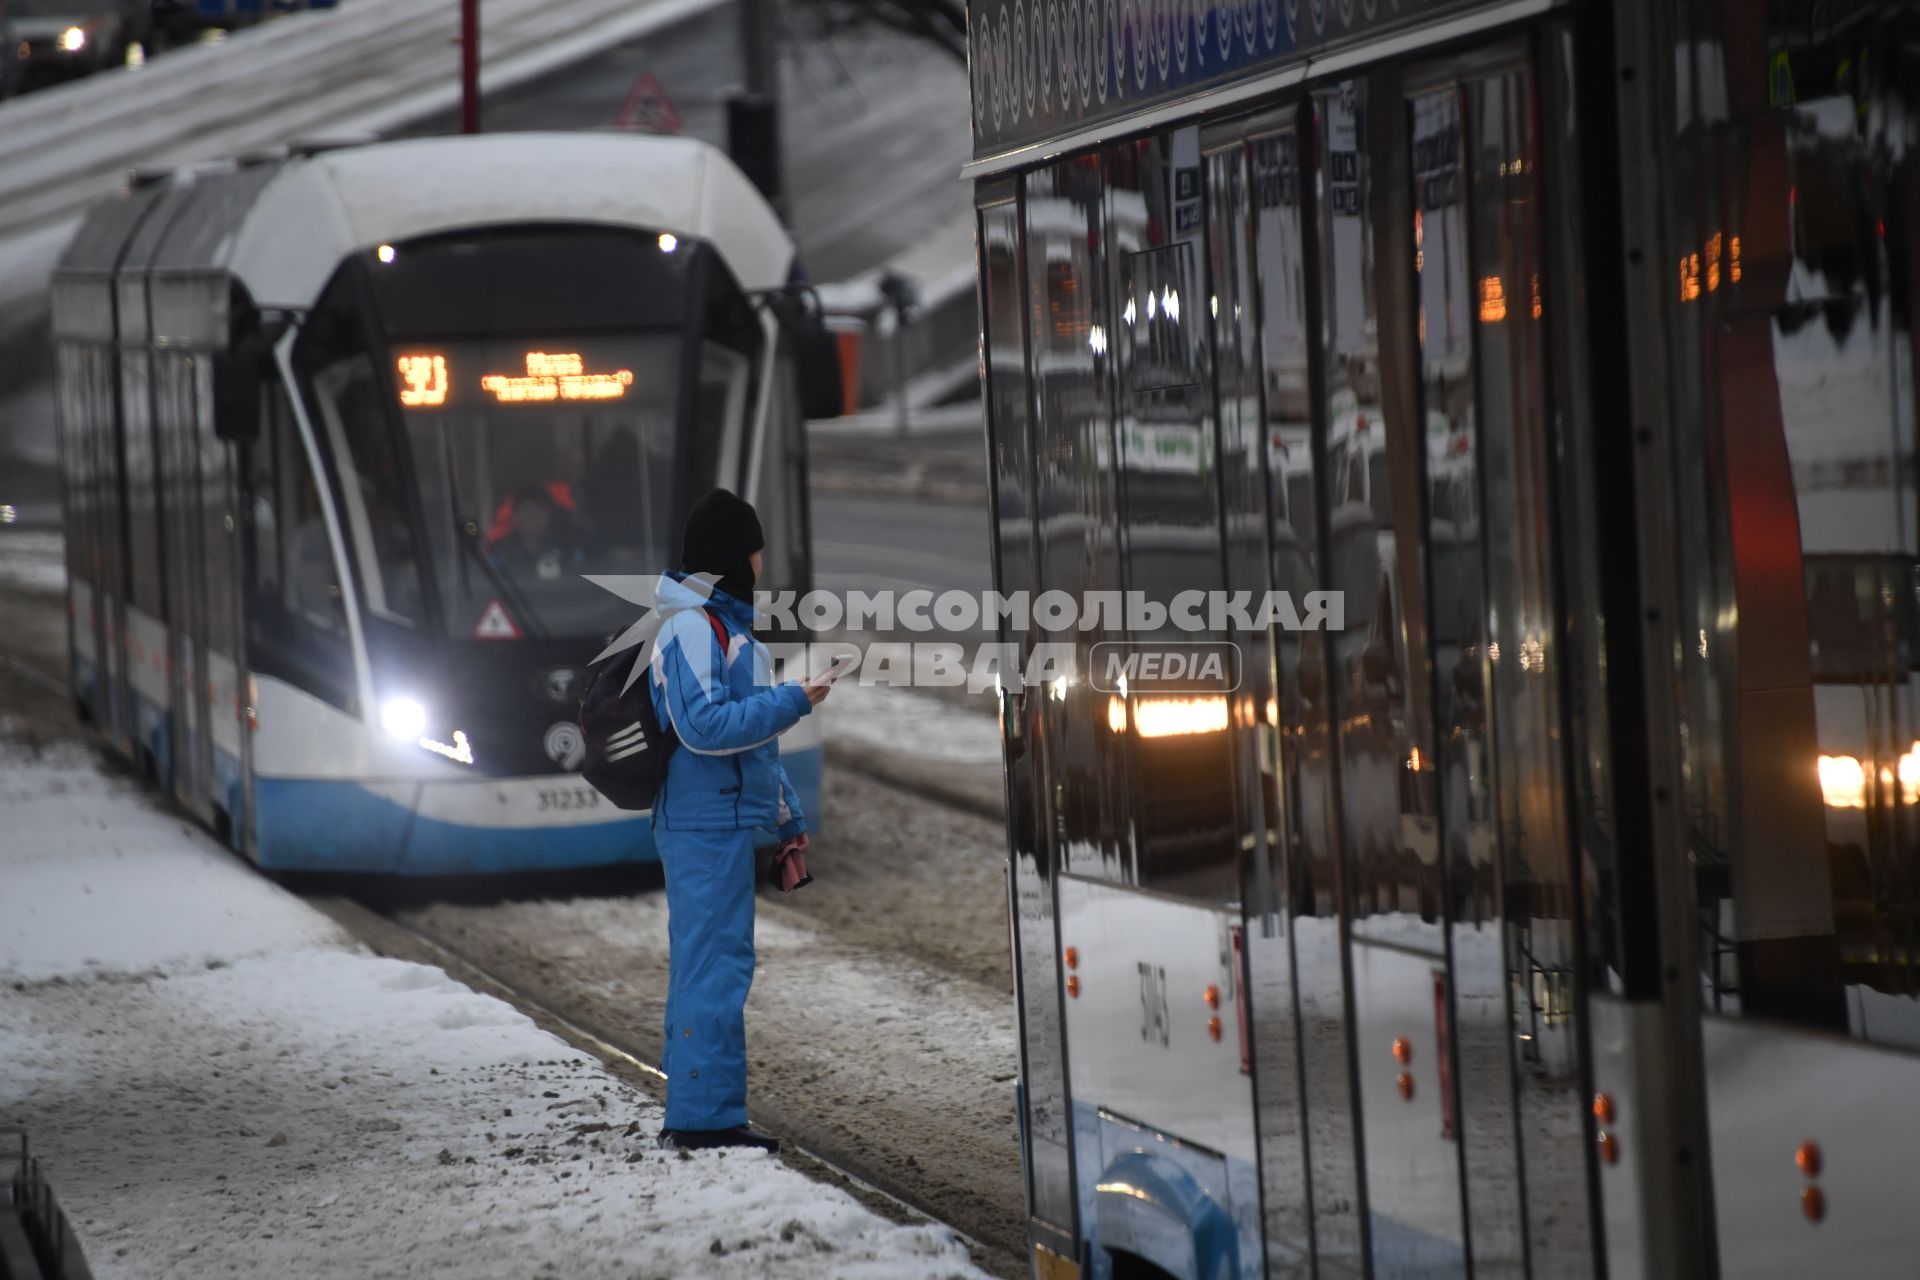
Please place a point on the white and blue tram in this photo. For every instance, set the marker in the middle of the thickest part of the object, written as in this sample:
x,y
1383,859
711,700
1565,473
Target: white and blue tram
x,y
1559,913
347,432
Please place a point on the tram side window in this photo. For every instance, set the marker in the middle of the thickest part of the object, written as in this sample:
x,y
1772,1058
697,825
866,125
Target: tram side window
x,y
724,393
1796,462
297,622
143,511
75,429
1074,493
1184,817
781,492
719,408
1376,545
351,415
215,514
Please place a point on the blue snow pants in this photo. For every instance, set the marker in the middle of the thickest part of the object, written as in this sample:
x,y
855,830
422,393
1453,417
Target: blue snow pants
x,y
710,966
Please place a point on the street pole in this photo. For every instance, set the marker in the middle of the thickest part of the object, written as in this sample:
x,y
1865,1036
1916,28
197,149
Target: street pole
x,y
469,66
900,378
753,117
902,303
759,49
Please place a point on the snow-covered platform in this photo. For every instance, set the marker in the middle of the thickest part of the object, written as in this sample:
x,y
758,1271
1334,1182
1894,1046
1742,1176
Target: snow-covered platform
x,y
221,1082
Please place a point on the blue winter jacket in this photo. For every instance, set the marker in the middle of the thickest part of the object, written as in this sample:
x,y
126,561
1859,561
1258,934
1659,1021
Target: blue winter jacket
x,y
728,714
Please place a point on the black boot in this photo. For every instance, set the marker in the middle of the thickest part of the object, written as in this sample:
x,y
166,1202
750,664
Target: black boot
x,y
709,1139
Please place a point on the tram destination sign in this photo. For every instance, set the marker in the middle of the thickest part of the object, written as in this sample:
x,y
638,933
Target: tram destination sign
x,y
1042,69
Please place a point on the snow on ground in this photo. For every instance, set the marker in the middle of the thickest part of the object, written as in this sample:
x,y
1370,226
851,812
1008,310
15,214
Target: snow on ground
x,y
222,1083
88,860
26,260
917,723
34,560
360,68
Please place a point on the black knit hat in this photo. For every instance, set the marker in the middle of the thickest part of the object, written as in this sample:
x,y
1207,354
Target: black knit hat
x,y
722,533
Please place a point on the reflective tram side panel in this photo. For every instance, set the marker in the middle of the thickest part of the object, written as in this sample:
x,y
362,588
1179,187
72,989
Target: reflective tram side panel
x,y
1252,450
1795,270
1165,1147
218,482
1483,1032
1164,1137
144,635
1304,482
1078,763
184,565
1543,950
1077,523
1398,966
70,430
1045,1119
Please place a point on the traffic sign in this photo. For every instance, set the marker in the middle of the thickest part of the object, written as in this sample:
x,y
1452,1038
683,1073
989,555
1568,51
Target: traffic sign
x,y
648,108
495,624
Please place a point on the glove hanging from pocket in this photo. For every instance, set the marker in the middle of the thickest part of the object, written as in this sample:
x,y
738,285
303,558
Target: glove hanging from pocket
x,y
789,870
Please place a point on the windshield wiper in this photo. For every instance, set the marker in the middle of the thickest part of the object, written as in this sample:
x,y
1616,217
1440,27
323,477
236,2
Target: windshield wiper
x,y
469,535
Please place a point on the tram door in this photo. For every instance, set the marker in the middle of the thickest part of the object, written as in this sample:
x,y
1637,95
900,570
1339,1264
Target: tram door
x,y
1411,906
1483,305
185,566
218,640
87,372
1295,980
1045,1116
1299,949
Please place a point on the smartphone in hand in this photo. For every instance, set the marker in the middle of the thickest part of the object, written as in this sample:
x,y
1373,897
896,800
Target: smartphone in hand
x,y
835,669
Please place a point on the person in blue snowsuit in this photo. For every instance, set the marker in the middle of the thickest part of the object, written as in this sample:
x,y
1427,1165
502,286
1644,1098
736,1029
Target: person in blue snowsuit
x,y
723,785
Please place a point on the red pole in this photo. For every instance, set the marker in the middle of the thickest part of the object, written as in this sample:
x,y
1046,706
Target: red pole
x,y
469,66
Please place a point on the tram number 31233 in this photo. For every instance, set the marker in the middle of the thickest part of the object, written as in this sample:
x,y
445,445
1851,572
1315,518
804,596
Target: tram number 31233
x,y
567,798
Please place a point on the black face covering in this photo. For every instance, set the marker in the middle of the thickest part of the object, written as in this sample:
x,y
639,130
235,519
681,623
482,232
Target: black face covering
x,y
721,536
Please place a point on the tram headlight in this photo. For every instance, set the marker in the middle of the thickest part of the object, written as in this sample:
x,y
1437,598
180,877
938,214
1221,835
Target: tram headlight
x,y
403,718
1910,775
73,39
1843,782
1175,717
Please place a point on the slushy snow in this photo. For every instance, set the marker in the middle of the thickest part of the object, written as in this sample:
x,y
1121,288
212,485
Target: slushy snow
x,y
221,1082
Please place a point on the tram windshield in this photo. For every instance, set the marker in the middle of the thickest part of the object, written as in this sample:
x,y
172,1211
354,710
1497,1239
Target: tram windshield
x,y
524,419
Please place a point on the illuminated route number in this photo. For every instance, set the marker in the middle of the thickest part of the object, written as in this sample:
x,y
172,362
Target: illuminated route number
x,y
1154,1023
423,381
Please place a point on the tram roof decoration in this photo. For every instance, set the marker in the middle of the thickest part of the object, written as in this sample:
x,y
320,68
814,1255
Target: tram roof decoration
x,y
1045,68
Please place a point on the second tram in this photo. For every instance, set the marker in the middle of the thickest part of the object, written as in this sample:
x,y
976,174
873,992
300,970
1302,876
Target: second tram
x,y
1558,914
348,433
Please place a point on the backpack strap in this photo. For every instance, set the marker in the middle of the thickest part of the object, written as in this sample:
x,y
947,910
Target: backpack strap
x,y
719,630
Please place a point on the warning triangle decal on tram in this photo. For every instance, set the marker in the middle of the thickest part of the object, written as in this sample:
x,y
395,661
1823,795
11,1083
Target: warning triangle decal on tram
x,y
495,624
648,108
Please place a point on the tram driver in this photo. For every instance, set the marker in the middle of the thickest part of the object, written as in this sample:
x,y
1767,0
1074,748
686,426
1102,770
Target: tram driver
x,y
539,540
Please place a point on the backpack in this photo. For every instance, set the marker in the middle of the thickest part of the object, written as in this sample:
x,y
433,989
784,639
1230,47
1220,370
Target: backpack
x,y
627,746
